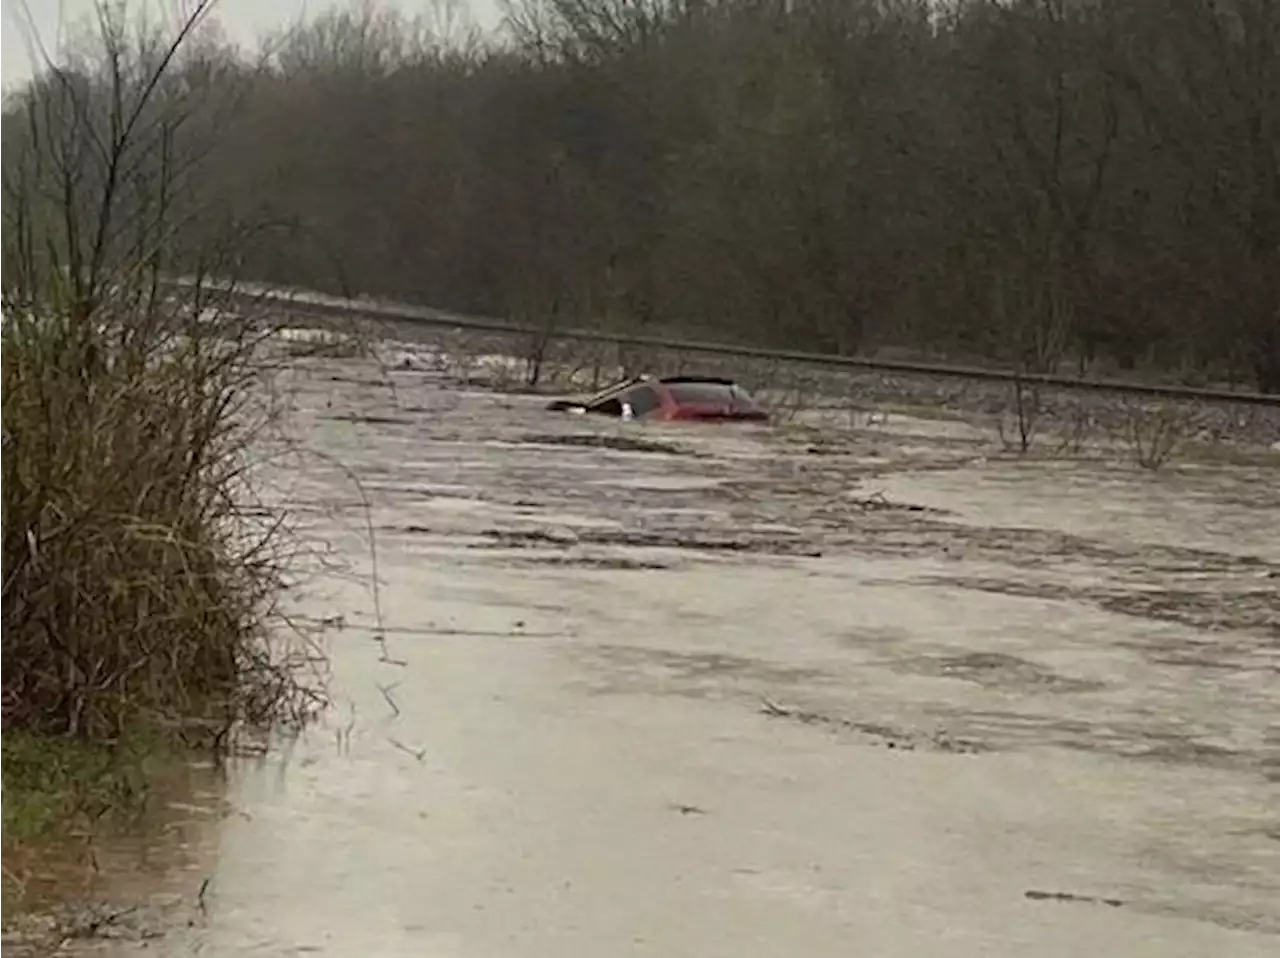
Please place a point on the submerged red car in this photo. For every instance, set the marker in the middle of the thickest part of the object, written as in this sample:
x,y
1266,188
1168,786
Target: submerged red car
x,y
670,399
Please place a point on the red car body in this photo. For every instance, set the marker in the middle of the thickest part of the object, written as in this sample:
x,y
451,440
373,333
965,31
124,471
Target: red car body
x,y
671,399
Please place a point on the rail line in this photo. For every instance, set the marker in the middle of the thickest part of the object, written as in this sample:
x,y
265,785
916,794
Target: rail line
x,y
320,304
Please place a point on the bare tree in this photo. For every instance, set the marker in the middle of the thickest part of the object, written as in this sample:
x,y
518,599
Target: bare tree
x,y
1024,182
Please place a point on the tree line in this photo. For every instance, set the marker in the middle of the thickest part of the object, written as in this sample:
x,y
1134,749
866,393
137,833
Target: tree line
x,y
1030,182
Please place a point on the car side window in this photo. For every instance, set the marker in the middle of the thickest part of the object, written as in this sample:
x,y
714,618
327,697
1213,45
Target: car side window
x,y
609,407
643,401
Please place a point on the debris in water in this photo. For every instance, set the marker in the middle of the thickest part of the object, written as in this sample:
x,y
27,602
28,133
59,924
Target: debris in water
x,y
941,740
1034,895
419,754
687,809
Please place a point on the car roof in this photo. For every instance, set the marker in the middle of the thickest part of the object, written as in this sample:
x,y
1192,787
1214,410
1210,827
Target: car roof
x,y
706,380
626,385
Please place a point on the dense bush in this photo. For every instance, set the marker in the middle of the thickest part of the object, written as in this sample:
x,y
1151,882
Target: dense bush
x,y
134,585
138,589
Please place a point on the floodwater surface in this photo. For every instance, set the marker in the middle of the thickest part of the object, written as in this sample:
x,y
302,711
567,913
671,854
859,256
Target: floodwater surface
x,y
700,691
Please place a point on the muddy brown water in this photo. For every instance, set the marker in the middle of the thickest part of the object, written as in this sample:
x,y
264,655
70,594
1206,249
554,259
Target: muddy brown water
x,y
707,691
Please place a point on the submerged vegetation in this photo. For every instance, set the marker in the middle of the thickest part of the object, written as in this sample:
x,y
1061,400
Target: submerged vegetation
x,y
140,574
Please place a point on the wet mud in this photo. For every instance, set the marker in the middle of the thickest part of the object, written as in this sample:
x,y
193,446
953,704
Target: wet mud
x,y
129,882
703,690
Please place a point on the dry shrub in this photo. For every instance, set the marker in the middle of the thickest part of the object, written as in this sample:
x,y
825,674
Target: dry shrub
x,y
786,390
1156,433
1019,435
137,586
583,367
1076,426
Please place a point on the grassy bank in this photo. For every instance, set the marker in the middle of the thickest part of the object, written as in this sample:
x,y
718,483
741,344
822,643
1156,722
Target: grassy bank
x,y
52,784
85,823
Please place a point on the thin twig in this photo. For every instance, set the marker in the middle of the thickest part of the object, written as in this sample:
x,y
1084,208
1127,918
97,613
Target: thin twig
x,y
418,754
386,691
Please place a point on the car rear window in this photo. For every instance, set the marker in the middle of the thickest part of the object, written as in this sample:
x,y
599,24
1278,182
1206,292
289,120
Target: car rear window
x,y
707,394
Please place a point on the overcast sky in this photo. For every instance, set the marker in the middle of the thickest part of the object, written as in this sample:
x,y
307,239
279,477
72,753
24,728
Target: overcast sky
x,y
242,20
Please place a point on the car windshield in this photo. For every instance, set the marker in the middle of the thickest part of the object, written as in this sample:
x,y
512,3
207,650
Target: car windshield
x,y
609,392
708,394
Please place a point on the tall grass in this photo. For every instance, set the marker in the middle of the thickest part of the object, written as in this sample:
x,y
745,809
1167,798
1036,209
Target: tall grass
x,y
136,587
139,578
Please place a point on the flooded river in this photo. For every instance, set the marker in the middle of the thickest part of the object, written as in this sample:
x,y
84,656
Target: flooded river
x,y
627,689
